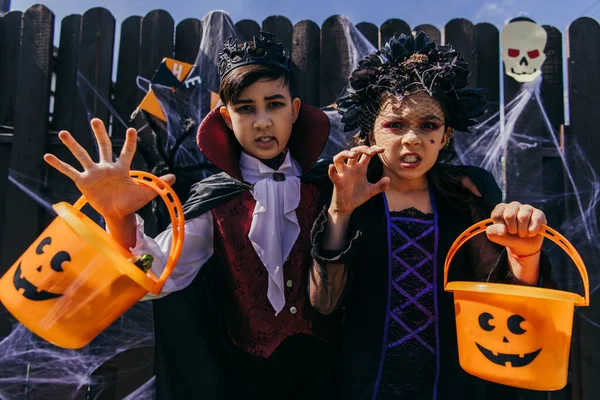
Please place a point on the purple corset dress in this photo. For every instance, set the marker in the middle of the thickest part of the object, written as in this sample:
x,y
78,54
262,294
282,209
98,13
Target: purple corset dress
x,y
411,361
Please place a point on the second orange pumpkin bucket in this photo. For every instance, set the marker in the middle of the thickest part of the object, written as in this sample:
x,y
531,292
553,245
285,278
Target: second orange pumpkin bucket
x,y
511,334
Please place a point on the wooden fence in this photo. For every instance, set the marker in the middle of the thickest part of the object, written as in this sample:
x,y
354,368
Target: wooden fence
x,y
35,79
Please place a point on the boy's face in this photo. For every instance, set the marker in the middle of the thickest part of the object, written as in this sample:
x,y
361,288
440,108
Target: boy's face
x,y
261,118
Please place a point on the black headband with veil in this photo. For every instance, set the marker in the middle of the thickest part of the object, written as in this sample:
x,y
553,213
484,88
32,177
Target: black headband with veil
x,y
407,65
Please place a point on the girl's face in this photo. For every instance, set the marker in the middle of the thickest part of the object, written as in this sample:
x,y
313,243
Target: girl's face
x,y
412,132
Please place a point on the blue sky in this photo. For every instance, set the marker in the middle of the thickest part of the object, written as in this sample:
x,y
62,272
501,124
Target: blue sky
x,y
436,12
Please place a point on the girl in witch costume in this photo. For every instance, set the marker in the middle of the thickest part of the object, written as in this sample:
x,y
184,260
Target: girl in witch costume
x,y
233,320
396,208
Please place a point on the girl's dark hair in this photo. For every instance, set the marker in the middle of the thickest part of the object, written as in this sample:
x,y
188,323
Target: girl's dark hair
x,y
240,78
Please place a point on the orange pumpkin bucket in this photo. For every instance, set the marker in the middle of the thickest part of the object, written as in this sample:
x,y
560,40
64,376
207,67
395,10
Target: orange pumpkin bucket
x,y
512,334
75,280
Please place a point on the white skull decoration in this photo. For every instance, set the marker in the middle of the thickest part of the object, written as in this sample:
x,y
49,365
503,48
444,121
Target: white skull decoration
x,y
523,44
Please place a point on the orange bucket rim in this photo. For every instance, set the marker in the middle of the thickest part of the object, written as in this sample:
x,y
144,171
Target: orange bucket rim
x,y
68,214
175,209
545,231
514,291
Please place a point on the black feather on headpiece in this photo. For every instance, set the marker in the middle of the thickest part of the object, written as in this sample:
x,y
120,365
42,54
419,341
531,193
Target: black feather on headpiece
x,y
407,65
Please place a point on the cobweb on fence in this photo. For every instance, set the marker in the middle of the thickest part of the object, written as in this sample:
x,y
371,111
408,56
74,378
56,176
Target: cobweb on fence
x,y
358,47
173,148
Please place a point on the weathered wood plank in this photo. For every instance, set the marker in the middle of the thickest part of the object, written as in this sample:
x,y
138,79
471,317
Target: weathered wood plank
x,y
188,36
94,69
434,33
10,40
22,213
67,94
370,31
248,29
393,27
583,42
127,94
488,68
336,59
460,33
306,55
281,27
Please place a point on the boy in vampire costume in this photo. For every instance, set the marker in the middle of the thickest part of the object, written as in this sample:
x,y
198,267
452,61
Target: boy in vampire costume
x,y
249,325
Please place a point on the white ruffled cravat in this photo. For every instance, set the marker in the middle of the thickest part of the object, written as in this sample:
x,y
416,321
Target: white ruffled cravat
x,y
275,227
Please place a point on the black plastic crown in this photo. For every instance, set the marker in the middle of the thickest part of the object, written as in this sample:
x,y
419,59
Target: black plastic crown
x,y
259,51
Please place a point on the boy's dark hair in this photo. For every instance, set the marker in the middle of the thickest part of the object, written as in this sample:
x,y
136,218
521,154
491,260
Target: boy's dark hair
x,y
240,78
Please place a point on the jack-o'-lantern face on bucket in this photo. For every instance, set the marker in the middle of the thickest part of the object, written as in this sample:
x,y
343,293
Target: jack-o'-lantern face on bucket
x,y
511,331
50,262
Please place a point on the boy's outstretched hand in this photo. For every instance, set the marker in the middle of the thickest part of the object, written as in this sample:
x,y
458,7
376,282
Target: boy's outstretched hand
x,y
106,184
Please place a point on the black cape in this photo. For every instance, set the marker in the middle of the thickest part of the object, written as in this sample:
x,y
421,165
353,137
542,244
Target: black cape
x,y
192,342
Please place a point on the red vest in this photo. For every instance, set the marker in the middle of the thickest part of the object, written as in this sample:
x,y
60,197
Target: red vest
x,y
251,319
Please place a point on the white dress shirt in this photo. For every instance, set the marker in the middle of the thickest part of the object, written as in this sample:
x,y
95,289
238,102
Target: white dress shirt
x,y
273,231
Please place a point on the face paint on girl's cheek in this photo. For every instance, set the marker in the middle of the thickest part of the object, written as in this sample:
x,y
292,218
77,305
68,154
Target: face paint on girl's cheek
x,y
432,141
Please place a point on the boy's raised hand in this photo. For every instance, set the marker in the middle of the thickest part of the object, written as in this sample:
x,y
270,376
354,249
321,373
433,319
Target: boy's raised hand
x,y
349,176
106,184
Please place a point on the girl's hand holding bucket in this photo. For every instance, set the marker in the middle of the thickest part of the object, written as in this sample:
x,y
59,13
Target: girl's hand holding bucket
x,y
517,226
106,184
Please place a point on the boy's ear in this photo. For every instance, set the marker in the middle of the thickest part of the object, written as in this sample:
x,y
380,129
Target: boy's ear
x,y
226,116
296,103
